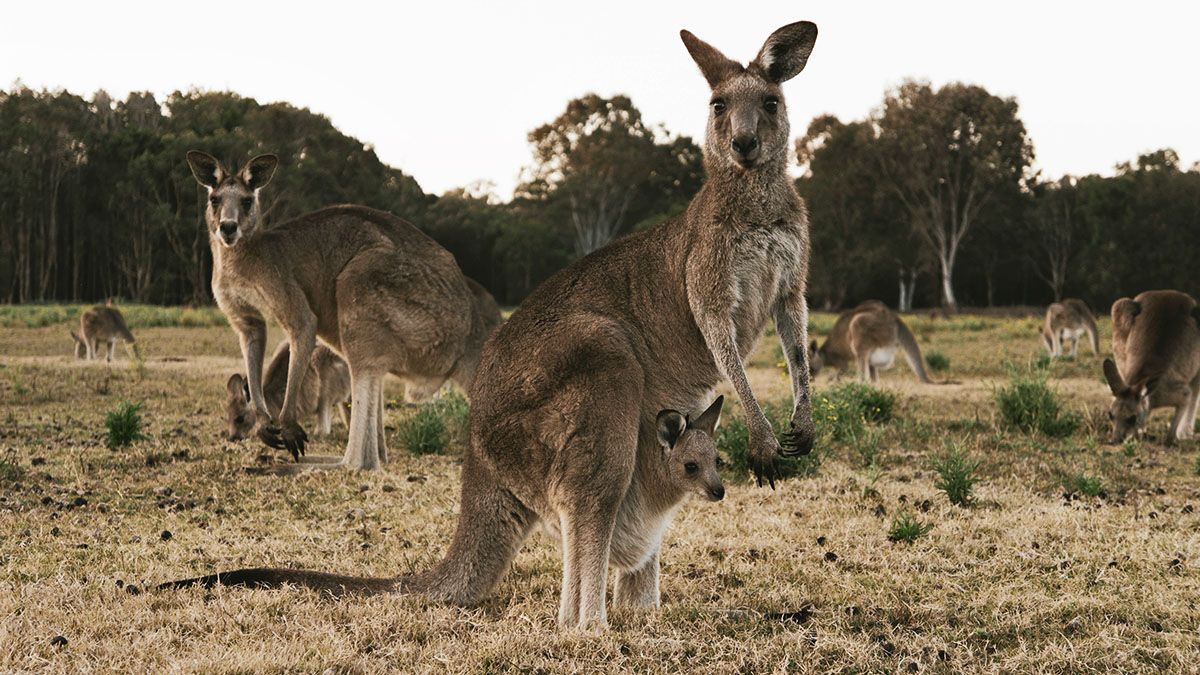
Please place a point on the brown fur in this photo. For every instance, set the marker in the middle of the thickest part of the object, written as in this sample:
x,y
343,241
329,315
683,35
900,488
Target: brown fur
x,y
565,419
326,387
867,337
1068,320
102,324
1156,343
380,293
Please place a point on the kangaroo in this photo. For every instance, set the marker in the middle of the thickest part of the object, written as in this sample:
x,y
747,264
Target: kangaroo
x,y
1156,342
326,387
1069,320
418,389
379,292
868,337
566,421
106,324
688,464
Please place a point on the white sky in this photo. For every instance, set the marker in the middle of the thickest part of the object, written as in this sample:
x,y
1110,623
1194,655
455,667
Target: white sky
x,y
447,91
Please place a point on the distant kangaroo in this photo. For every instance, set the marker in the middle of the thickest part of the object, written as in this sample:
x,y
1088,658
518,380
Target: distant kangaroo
x,y
106,324
1156,343
868,337
326,387
567,421
378,291
1069,320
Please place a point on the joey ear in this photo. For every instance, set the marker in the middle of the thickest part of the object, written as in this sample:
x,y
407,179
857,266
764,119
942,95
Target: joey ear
x,y
785,53
237,386
257,172
714,65
671,425
206,168
710,418
1115,384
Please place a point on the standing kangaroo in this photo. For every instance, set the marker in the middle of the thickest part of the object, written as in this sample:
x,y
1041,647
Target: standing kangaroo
x,y
105,324
1069,320
374,288
325,387
868,337
567,419
1156,342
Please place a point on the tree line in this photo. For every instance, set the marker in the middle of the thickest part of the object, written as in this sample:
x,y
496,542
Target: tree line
x,y
929,200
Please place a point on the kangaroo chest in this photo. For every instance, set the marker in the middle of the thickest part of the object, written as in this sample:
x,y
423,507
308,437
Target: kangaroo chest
x,y
767,263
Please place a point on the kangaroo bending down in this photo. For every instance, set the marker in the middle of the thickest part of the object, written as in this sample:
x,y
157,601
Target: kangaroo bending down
x,y
326,387
102,324
1069,320
566,422
868,337
1156,343
378,291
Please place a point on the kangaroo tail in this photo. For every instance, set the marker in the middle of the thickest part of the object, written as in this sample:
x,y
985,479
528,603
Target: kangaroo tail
x,y
492,526
912,353
271,577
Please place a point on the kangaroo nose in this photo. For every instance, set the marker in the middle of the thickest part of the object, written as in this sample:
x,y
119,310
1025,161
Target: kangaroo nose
x,y
228,228
718,492
745,144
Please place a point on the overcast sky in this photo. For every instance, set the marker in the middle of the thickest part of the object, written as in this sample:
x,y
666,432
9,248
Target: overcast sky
x,y
447,91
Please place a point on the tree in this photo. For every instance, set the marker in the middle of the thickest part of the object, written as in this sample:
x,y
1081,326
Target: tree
x,y
1055,233
607,169
946,154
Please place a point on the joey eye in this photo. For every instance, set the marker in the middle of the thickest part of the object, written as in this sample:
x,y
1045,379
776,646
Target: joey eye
x,y
240,419
247,203
771,104
718,106
691,467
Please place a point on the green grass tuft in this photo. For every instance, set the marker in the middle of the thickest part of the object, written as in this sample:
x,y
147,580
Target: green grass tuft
x,y
124,425
733,437
937,361
905,527
1029,405
10,470
436,425
956,475
1084,484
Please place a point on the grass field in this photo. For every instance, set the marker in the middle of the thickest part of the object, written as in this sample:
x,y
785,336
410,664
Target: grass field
x,y
1069,556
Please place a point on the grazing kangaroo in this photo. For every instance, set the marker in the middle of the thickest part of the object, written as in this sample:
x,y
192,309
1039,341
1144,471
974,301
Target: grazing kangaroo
x,y
106,324
567,421
378,291
1156,342
326,387
867,337
1069,320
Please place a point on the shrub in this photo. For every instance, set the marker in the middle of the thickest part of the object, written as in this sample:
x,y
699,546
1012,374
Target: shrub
x,y
938,362
455,410
956,475
905,527
1028,404
124,425
841,411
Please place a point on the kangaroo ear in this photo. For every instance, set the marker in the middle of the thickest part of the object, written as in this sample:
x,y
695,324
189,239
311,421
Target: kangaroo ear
x,y
207,170
785,53
1115,384
74,336
237,386
710,418
258,171
812,347
671,425
714,65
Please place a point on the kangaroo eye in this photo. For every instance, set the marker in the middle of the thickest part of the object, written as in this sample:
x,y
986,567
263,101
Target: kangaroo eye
x,y
215,201
240,419
247,203
691,467
718,106
771,104
720,463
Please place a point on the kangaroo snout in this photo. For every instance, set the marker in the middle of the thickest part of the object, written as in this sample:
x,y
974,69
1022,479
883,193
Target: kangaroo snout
x,y
229,230
716,493
746,146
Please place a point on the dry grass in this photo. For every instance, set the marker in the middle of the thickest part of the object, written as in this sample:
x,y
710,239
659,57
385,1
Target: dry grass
x,y
1025,580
